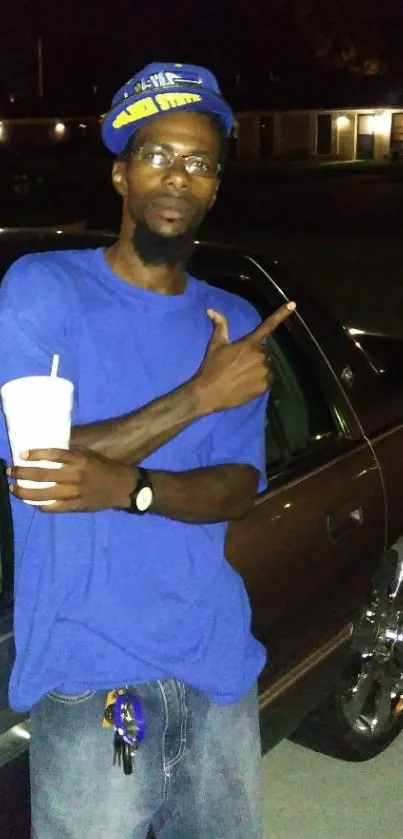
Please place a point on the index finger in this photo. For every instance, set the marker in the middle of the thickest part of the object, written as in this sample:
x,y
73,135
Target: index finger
x,y
273,321
56,455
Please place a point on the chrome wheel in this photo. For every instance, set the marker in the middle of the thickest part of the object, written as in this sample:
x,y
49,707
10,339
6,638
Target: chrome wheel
x,y
364,714
372,701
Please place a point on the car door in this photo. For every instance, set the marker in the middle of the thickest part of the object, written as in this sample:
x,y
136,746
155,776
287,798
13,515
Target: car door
x,y
309,547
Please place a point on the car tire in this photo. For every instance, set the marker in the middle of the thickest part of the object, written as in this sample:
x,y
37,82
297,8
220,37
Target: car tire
x,y
365,714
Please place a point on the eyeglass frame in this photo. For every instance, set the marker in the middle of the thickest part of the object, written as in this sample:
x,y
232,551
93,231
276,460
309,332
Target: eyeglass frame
x,y
174,156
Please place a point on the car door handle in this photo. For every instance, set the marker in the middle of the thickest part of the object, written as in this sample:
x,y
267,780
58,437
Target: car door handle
x,y
344,522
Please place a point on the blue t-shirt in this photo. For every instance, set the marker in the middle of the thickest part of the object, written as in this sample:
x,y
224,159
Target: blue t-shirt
x,y
104,599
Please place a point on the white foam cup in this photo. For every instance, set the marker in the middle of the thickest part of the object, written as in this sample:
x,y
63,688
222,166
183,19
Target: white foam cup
x,y
38,416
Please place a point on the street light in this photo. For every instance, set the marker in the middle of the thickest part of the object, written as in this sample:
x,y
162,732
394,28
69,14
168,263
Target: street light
x,y
60,130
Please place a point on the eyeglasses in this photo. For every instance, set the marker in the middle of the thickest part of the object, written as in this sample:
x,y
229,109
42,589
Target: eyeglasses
x,y
163,157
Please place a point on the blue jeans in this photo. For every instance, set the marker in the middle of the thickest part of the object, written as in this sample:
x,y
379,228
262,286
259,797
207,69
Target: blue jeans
x,y
196,775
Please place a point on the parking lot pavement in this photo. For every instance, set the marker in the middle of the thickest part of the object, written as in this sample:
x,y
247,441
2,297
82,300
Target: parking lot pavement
x,y
359,278
14,797
311,796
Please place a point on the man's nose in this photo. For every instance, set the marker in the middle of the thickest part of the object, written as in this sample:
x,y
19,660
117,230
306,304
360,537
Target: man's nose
x,y
176,175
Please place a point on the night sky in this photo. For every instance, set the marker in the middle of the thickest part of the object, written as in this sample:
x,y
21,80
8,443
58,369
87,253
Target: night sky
x,y
250,44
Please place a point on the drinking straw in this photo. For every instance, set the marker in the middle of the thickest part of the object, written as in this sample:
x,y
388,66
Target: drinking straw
x,y
55,366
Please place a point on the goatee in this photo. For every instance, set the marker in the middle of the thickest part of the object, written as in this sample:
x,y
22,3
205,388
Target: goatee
x,y
155,249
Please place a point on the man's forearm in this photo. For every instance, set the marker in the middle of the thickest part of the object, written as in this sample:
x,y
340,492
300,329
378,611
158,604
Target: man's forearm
x,y
133,437
201,496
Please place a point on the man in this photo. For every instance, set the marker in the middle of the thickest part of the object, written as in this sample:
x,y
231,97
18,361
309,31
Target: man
x,y
172,374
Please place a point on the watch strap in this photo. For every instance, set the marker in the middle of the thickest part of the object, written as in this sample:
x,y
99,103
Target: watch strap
x,y
143,481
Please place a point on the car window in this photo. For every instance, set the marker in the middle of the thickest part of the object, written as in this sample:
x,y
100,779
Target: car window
x,y
298,419
296,398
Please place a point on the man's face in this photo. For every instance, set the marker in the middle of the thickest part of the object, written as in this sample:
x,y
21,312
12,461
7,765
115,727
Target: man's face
x,y
169,201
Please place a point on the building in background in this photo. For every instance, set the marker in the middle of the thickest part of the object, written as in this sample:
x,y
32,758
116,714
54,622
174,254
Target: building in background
x,y
72,133
341,134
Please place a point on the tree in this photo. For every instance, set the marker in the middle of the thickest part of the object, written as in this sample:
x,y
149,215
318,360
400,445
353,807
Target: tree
x,y
340,34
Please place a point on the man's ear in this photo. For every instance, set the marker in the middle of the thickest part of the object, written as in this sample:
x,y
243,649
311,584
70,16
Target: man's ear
x,y
119,178
214,197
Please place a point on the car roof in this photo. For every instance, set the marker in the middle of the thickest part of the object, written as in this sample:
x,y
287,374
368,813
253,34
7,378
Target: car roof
x,y
31,239
210,261
207,258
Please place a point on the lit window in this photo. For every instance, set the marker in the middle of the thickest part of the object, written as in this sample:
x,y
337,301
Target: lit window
x,y
382,123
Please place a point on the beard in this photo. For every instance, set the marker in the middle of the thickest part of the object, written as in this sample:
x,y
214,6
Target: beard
x,y
155,249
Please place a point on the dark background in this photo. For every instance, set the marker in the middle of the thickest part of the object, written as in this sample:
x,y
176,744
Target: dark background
x,y
337,227
262,50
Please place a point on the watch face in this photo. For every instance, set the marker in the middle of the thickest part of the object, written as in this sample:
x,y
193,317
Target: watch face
x,y
144,499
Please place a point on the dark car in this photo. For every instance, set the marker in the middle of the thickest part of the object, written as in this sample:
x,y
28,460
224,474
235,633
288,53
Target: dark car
x,y
322,550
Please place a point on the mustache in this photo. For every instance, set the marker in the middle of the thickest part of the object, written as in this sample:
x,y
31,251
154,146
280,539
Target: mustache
x,y
171,201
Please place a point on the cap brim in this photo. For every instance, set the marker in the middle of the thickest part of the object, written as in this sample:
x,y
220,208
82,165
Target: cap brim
x,y
128,116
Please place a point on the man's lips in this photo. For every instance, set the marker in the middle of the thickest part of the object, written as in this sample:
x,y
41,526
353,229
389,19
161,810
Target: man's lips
x,y
171,208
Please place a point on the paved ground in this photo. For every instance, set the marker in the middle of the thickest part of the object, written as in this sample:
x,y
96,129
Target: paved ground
x,y
311,796
359,277
340,236
14,810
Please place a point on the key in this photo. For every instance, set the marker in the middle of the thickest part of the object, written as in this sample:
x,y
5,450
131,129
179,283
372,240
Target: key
x,y
123,754
129,730
118,744
127,750
127,758
131,727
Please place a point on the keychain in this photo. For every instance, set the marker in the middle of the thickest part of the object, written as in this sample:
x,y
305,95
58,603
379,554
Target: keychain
x,y
125,714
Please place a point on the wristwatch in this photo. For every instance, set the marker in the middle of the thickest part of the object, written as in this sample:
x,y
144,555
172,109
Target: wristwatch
x,y
142,496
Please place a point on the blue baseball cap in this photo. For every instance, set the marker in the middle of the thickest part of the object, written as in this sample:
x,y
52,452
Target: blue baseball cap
x,y
158,90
